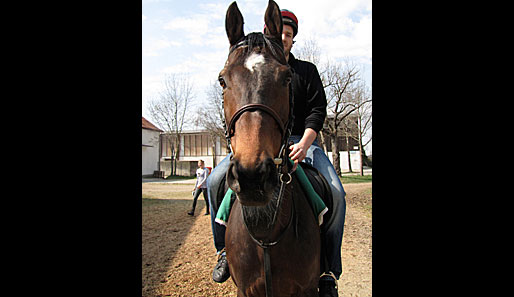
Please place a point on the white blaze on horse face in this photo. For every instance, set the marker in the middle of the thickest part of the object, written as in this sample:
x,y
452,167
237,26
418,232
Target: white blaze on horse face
x,y
253,61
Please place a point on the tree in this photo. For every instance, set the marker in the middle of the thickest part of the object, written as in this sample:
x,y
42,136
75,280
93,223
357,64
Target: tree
x,y
339,79
309,51
168,110
364,116
340,85
211,116
349,127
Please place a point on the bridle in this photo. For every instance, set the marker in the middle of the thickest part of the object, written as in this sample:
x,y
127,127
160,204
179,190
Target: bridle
x,y
281,161
285,129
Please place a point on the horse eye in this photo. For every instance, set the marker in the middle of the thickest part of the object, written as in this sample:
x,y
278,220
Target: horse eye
x,y
222,82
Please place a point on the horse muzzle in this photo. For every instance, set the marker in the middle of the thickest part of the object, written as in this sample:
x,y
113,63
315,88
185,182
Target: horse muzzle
x,y
253,186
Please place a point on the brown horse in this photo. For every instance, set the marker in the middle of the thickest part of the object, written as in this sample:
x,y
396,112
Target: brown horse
x,y
272,236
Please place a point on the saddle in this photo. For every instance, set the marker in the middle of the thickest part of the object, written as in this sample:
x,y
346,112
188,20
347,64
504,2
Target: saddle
x,y
322,188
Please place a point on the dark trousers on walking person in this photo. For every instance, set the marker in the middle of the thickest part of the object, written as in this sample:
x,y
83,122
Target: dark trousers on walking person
x,y
205,197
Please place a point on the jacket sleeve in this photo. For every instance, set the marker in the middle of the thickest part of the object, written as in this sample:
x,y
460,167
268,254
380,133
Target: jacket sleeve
x,y
316,101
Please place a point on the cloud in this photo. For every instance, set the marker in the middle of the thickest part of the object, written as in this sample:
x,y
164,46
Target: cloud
x,y
151,85
152,49
342,28
194,28
204,67
202,70
206,27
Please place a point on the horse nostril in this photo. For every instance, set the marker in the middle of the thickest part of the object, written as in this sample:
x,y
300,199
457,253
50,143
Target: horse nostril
x,y
269,175
264,171
232,176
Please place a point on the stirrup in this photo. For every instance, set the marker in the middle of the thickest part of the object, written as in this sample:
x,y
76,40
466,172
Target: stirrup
x,y
331,274
221,252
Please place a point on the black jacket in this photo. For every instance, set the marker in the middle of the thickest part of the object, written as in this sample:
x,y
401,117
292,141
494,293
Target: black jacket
x,y
310,102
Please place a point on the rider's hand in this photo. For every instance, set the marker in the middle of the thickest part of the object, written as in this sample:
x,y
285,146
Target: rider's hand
x,y
297,154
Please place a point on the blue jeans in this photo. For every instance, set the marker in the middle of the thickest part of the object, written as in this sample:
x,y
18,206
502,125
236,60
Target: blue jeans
x,y
319,160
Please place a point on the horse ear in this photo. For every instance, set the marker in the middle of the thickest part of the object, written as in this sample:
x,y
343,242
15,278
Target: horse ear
x,y
273,20
234,24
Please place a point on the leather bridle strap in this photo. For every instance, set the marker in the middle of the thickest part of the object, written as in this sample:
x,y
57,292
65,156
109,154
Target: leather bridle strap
x,y
255,106
266,246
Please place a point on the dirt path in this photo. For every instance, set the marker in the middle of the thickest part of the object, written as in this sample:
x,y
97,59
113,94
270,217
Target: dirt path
x,y
178,253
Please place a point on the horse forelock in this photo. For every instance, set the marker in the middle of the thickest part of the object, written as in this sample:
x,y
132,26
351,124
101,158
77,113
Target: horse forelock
x,y
255,40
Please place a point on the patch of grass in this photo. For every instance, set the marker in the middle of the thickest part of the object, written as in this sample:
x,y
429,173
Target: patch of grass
x,y
349,179
150,201
179,177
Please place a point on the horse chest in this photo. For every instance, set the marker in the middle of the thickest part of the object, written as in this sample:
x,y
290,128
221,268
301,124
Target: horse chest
x,y
294,259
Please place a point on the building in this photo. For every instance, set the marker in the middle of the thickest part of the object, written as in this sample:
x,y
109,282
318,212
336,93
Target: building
x,y
195,145
150,155
347,145
198,145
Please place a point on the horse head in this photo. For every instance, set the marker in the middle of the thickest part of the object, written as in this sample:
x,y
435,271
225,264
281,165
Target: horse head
x,y
256,85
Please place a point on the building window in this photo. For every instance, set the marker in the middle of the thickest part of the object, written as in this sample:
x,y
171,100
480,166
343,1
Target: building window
x,y
187,146
181,145
164,150
198,140
193,145
168,147
205,145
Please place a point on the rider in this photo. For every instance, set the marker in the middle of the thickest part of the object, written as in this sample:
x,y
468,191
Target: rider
x,y
310,111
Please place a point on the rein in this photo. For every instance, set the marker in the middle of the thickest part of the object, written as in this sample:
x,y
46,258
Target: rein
x,y
280,161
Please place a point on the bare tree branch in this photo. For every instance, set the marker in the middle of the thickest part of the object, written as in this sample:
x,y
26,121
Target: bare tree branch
x,y
169,109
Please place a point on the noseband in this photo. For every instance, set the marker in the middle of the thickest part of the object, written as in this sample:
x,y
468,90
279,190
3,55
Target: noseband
x,y
285,129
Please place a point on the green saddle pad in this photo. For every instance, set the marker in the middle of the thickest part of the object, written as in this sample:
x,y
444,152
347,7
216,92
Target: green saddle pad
x,y
314,199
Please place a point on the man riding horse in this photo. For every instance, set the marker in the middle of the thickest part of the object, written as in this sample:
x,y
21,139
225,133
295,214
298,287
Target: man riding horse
x,y
309,114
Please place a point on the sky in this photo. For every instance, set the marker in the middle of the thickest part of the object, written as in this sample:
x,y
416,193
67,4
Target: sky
x,y
189,37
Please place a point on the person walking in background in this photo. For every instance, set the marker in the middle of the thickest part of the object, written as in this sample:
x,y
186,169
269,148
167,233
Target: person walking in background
x,y
200,187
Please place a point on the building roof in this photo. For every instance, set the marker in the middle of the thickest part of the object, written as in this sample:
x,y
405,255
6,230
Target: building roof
x,y
149,126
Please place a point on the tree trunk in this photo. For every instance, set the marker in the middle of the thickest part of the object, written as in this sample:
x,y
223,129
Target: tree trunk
x,y
361,154
214,164
335,155
348,154
361,150
322,140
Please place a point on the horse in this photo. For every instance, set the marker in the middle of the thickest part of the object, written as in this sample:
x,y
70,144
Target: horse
x,y
272,237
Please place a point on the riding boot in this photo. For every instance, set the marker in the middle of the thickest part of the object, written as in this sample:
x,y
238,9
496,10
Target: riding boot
x,y
328,285
221,273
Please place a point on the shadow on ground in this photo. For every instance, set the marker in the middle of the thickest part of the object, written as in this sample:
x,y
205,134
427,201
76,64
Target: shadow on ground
x,y
165,227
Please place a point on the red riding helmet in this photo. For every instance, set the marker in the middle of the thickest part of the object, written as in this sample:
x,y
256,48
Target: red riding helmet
x,y
289,18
